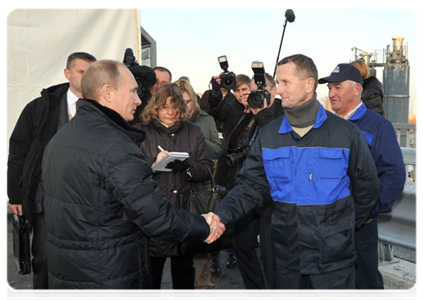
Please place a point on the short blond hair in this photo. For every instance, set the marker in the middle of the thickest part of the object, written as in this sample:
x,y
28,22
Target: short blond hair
x,y
98,74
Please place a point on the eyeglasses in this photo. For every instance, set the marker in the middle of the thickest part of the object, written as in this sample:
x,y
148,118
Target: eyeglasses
x,y
168,109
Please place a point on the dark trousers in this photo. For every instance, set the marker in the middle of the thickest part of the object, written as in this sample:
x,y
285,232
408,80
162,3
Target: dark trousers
x,y
339,279
367,275
182,270
267,254
39,260
246,231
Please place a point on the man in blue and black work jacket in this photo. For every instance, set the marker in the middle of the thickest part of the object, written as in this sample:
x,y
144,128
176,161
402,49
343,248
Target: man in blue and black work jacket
x,y
322,180
345,87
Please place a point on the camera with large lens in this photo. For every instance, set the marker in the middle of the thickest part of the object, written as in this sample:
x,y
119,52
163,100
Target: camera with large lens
x,y
243,145
145,76
256,98
236,157
227,79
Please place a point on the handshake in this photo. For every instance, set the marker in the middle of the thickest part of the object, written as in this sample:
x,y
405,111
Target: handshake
x,y
217,228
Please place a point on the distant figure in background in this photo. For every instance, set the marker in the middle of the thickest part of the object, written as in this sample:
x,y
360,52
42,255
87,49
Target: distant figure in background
x,y
163,75
372,94
202,262
344,93
186,78
37,124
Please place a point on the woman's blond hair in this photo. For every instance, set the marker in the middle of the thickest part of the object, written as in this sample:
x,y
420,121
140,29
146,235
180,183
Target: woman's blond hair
x,y
362,67
185,86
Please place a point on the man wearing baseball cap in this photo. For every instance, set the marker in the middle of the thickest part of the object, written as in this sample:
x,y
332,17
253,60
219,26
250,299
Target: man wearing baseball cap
x,y
345,87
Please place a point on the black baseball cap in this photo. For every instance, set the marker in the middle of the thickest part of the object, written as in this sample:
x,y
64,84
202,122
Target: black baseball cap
x,y
343,72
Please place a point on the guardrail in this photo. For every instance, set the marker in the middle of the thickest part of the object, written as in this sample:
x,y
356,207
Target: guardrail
x,y
406,134
398,228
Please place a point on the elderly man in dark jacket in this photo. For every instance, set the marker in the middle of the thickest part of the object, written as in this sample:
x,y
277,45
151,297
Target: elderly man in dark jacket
x,y
101,201
345,94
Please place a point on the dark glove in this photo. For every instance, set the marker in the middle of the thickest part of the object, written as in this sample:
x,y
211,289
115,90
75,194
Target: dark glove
x,y
177,165
216,92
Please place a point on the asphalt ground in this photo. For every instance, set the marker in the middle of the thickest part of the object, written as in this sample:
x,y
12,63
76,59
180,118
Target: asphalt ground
x,y
19,287
229,278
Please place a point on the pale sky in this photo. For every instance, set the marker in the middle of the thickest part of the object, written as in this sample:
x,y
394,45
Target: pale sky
x,y
190,40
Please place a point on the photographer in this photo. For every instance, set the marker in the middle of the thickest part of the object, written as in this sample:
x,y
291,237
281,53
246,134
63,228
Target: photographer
x,y
146,79
239,127
269,111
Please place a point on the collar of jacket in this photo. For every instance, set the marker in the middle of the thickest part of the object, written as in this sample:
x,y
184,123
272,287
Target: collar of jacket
x,y
137,135
320,119
359,113
166,130
57,90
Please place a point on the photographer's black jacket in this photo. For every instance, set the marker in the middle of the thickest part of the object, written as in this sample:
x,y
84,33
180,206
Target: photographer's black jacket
x,y
271,113
231,114
324,185
372,95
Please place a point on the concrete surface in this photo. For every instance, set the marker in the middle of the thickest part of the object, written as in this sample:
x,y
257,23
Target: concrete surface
x,y
398,274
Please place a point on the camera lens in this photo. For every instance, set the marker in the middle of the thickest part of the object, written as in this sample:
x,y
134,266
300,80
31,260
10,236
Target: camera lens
x,y
228,80
231,160
255,100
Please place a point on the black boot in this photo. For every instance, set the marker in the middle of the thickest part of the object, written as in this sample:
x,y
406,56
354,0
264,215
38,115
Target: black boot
x,y
231,261
215,268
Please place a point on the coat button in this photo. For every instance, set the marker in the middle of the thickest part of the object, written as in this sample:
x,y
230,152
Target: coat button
x,y
172,134
175,191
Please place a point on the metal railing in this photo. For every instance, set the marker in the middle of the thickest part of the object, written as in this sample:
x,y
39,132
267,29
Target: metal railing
x,y
398,228
406,134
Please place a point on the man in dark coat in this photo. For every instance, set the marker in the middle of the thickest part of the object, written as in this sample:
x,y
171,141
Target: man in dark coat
x,y
101,201
345,94
37,124
322,180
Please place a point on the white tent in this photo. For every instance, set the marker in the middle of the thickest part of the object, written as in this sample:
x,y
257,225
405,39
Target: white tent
x,y
40,40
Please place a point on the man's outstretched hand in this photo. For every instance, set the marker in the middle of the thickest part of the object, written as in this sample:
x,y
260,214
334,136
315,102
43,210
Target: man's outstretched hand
x,y
217,228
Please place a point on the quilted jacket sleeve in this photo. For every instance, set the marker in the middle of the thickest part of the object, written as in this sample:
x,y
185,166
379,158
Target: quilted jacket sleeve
x,y
129,178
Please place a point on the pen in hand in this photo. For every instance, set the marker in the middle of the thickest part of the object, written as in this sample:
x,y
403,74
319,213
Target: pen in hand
x,y
160,148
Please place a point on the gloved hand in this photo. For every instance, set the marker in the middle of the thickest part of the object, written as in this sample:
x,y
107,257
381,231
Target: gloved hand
x,y
215,92
177,165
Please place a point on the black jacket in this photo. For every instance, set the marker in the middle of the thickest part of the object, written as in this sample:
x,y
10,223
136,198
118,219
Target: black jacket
x,y
36,125
102,204
236,137
182,137
271,113
372,95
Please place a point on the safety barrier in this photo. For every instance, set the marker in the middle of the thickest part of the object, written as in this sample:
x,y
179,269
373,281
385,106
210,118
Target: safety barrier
x,y
398,228
406,134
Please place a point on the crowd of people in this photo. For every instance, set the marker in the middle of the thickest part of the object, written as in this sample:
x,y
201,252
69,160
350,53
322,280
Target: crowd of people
x,y
302,184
